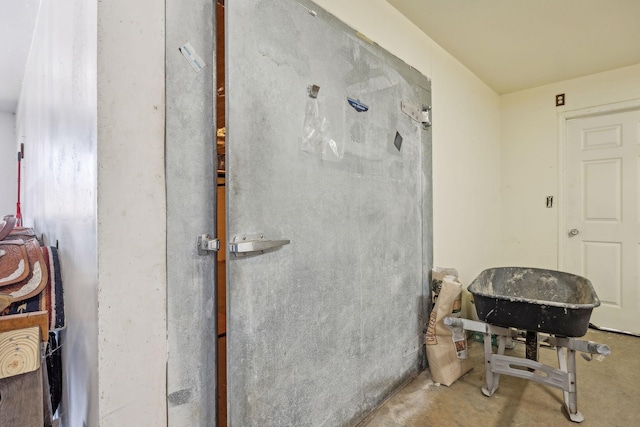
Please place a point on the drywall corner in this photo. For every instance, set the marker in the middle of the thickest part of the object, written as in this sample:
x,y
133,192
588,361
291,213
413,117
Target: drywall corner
x,y
131,203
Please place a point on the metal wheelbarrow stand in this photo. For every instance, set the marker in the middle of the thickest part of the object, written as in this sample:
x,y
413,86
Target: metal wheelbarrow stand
x,y
563,377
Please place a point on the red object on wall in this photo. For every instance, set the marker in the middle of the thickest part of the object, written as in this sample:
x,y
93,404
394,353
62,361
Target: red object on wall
x,y
18,212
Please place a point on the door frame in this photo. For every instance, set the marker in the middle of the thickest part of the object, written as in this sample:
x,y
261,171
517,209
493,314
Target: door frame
x,y
563,117
190,139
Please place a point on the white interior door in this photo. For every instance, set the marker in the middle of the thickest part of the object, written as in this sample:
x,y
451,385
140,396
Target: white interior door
x,y
320,330
602,235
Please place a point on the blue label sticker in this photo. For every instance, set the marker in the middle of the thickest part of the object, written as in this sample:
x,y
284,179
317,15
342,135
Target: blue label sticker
x,y
357,105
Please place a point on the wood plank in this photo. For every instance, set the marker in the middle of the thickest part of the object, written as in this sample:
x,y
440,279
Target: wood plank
x,y
19,351
221,208
26,320
222,382
222,325
220,75
21,400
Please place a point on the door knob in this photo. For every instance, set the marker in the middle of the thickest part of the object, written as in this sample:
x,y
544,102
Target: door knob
x,y
574,232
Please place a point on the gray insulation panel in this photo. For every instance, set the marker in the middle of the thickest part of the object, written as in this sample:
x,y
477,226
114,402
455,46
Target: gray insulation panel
x,y
191,209
321,330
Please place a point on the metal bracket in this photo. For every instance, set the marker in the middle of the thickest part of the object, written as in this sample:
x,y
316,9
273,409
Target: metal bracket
x,y
420,115
207,244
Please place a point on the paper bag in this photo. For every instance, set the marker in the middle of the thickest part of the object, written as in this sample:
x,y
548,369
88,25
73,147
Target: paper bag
x,y
446,350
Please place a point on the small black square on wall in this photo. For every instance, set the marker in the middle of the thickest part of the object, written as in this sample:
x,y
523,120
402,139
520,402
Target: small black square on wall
x,y
559,100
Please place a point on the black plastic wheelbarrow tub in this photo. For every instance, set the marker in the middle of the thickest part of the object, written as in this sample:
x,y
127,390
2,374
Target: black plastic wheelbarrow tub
x,y
533,299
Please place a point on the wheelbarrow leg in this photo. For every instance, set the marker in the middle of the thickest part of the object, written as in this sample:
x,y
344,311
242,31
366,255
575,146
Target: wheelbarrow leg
x,y
492,378
567,363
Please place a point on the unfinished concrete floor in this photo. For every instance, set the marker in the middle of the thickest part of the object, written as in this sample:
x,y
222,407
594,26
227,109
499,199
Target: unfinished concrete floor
x,y
608,394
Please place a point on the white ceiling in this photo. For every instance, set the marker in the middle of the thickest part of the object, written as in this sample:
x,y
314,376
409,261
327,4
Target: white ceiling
x,y
518,44
509,44
17,22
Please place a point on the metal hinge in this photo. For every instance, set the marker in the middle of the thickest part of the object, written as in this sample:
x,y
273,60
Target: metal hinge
x,y
420,115
207,244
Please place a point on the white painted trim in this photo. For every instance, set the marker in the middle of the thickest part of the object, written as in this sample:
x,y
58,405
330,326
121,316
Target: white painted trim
x,y
562,191
563,116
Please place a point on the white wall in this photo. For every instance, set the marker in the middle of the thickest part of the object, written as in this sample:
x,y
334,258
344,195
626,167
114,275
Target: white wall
x,y
8,163
131,213
92,117
466,138
56,120
530,170
132,335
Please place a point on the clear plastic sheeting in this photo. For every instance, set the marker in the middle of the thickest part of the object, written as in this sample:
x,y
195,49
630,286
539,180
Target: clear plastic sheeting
x,y
320,136
354,121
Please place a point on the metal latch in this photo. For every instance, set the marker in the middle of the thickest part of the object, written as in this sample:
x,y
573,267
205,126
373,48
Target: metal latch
x,y
420,115
253,244
207,244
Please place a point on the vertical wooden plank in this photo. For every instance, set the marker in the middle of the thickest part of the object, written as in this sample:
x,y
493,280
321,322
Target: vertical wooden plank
x,y
21,400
